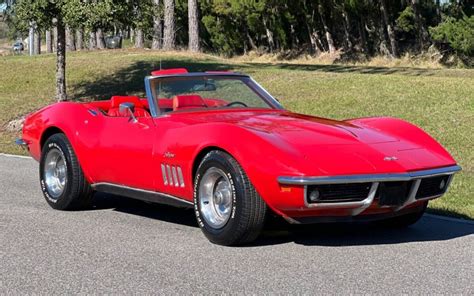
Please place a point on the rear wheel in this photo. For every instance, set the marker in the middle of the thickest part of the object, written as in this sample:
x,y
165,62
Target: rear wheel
x,y
404,220
228,209
62,180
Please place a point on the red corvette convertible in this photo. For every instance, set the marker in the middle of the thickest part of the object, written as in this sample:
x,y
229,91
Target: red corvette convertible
x,y
221,144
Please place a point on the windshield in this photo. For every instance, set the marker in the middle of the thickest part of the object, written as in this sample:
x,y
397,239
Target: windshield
x,y
208,91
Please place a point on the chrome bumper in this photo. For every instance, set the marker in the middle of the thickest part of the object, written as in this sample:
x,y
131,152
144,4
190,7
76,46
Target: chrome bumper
x,y
358,207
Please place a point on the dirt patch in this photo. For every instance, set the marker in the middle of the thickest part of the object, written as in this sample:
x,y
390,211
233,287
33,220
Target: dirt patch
x,y
16,125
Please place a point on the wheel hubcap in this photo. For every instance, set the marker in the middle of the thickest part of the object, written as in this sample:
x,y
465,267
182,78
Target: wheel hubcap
x,y
215,197
55,173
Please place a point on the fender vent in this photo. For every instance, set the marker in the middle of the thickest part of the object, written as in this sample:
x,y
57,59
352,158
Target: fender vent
x,y
172,175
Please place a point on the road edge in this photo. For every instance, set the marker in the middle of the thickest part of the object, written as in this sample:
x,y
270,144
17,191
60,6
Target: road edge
x,y
15,156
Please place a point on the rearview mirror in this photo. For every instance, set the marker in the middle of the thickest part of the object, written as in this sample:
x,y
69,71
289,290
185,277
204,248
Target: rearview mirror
x,y
128,108
208,85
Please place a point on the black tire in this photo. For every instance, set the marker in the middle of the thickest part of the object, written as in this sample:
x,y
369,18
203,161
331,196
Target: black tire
x,y
77,192
248,209
404,220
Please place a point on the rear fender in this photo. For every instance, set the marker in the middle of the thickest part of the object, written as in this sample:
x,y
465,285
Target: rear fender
x,y
72,119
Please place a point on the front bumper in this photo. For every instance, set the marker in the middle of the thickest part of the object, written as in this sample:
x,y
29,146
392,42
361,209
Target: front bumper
x,y
354,208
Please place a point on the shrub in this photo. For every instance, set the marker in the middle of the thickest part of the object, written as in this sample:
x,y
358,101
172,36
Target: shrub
x,y
458,33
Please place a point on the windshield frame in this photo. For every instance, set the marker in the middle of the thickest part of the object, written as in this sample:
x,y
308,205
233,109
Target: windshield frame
x,y
251,83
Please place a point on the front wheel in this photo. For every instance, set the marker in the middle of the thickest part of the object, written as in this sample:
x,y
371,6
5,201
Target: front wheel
x,y
228,209
62,180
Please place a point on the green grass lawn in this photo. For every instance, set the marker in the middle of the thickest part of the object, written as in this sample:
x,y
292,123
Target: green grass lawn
x,y
441,101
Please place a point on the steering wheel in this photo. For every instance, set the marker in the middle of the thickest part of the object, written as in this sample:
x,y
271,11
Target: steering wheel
x,y
236,103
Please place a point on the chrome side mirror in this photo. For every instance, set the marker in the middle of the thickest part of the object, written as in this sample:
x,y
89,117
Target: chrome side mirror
x,y
130,108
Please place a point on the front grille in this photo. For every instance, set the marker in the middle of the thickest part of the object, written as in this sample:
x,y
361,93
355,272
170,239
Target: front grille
x,y
393,193
432,186
338,192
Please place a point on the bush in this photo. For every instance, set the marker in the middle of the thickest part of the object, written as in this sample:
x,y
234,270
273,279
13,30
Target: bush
x,y
458,33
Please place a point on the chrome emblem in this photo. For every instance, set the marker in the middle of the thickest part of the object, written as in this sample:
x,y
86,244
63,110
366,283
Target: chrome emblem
x,y
390,158
169,155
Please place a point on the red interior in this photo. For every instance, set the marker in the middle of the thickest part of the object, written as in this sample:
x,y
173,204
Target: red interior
x,y
142,109
188,102
115,101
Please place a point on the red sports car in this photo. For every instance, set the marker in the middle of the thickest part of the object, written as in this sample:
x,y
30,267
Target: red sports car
x,y
220,143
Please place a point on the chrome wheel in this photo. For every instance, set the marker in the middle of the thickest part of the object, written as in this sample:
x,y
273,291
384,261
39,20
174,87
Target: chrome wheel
x,y
55,173
215,197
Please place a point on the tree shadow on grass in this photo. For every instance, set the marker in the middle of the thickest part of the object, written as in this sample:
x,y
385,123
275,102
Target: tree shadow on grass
x,y
339,68
277,231
129,80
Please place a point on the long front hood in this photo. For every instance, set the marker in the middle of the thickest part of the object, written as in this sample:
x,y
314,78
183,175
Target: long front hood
x,y
322,146
306,131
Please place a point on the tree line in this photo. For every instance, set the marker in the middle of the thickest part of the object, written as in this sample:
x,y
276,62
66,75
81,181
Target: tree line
x,y
352,28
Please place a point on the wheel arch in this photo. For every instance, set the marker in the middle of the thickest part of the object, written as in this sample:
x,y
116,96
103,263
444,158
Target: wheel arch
x,y
200,156
48,132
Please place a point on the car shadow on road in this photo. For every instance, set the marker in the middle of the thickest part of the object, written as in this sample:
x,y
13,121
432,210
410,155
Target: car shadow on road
x,y
429,228
182,216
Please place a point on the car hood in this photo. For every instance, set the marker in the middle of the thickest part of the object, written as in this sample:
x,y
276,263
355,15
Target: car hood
x,y
334,145
302,130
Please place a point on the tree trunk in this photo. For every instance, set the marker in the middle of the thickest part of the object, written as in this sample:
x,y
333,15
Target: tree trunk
x,y
269,33
92,41
31,39
251,42
422,32
193,25
132,35
61,63
157,29
80,39
438,10
139,43
347,25
363,36
55,37
37,43
332,48
100,39
70,40
390,31
49,41
169,42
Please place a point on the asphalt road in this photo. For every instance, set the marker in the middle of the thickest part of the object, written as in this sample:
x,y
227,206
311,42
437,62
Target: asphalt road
x,y
125,246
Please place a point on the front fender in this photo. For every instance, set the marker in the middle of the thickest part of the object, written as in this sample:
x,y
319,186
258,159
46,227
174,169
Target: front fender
x,y
407,131
262,156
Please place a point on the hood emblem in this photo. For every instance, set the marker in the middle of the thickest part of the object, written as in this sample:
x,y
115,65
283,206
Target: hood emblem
x,y
390,158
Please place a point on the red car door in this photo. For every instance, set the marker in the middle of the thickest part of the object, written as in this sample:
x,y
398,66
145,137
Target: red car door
x,y
124,155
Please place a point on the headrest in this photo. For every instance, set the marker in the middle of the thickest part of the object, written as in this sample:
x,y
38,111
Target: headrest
x,y
188,101
115,101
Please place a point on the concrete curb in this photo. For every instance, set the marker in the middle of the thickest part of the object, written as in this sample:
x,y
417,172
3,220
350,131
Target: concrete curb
x,y
15,156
